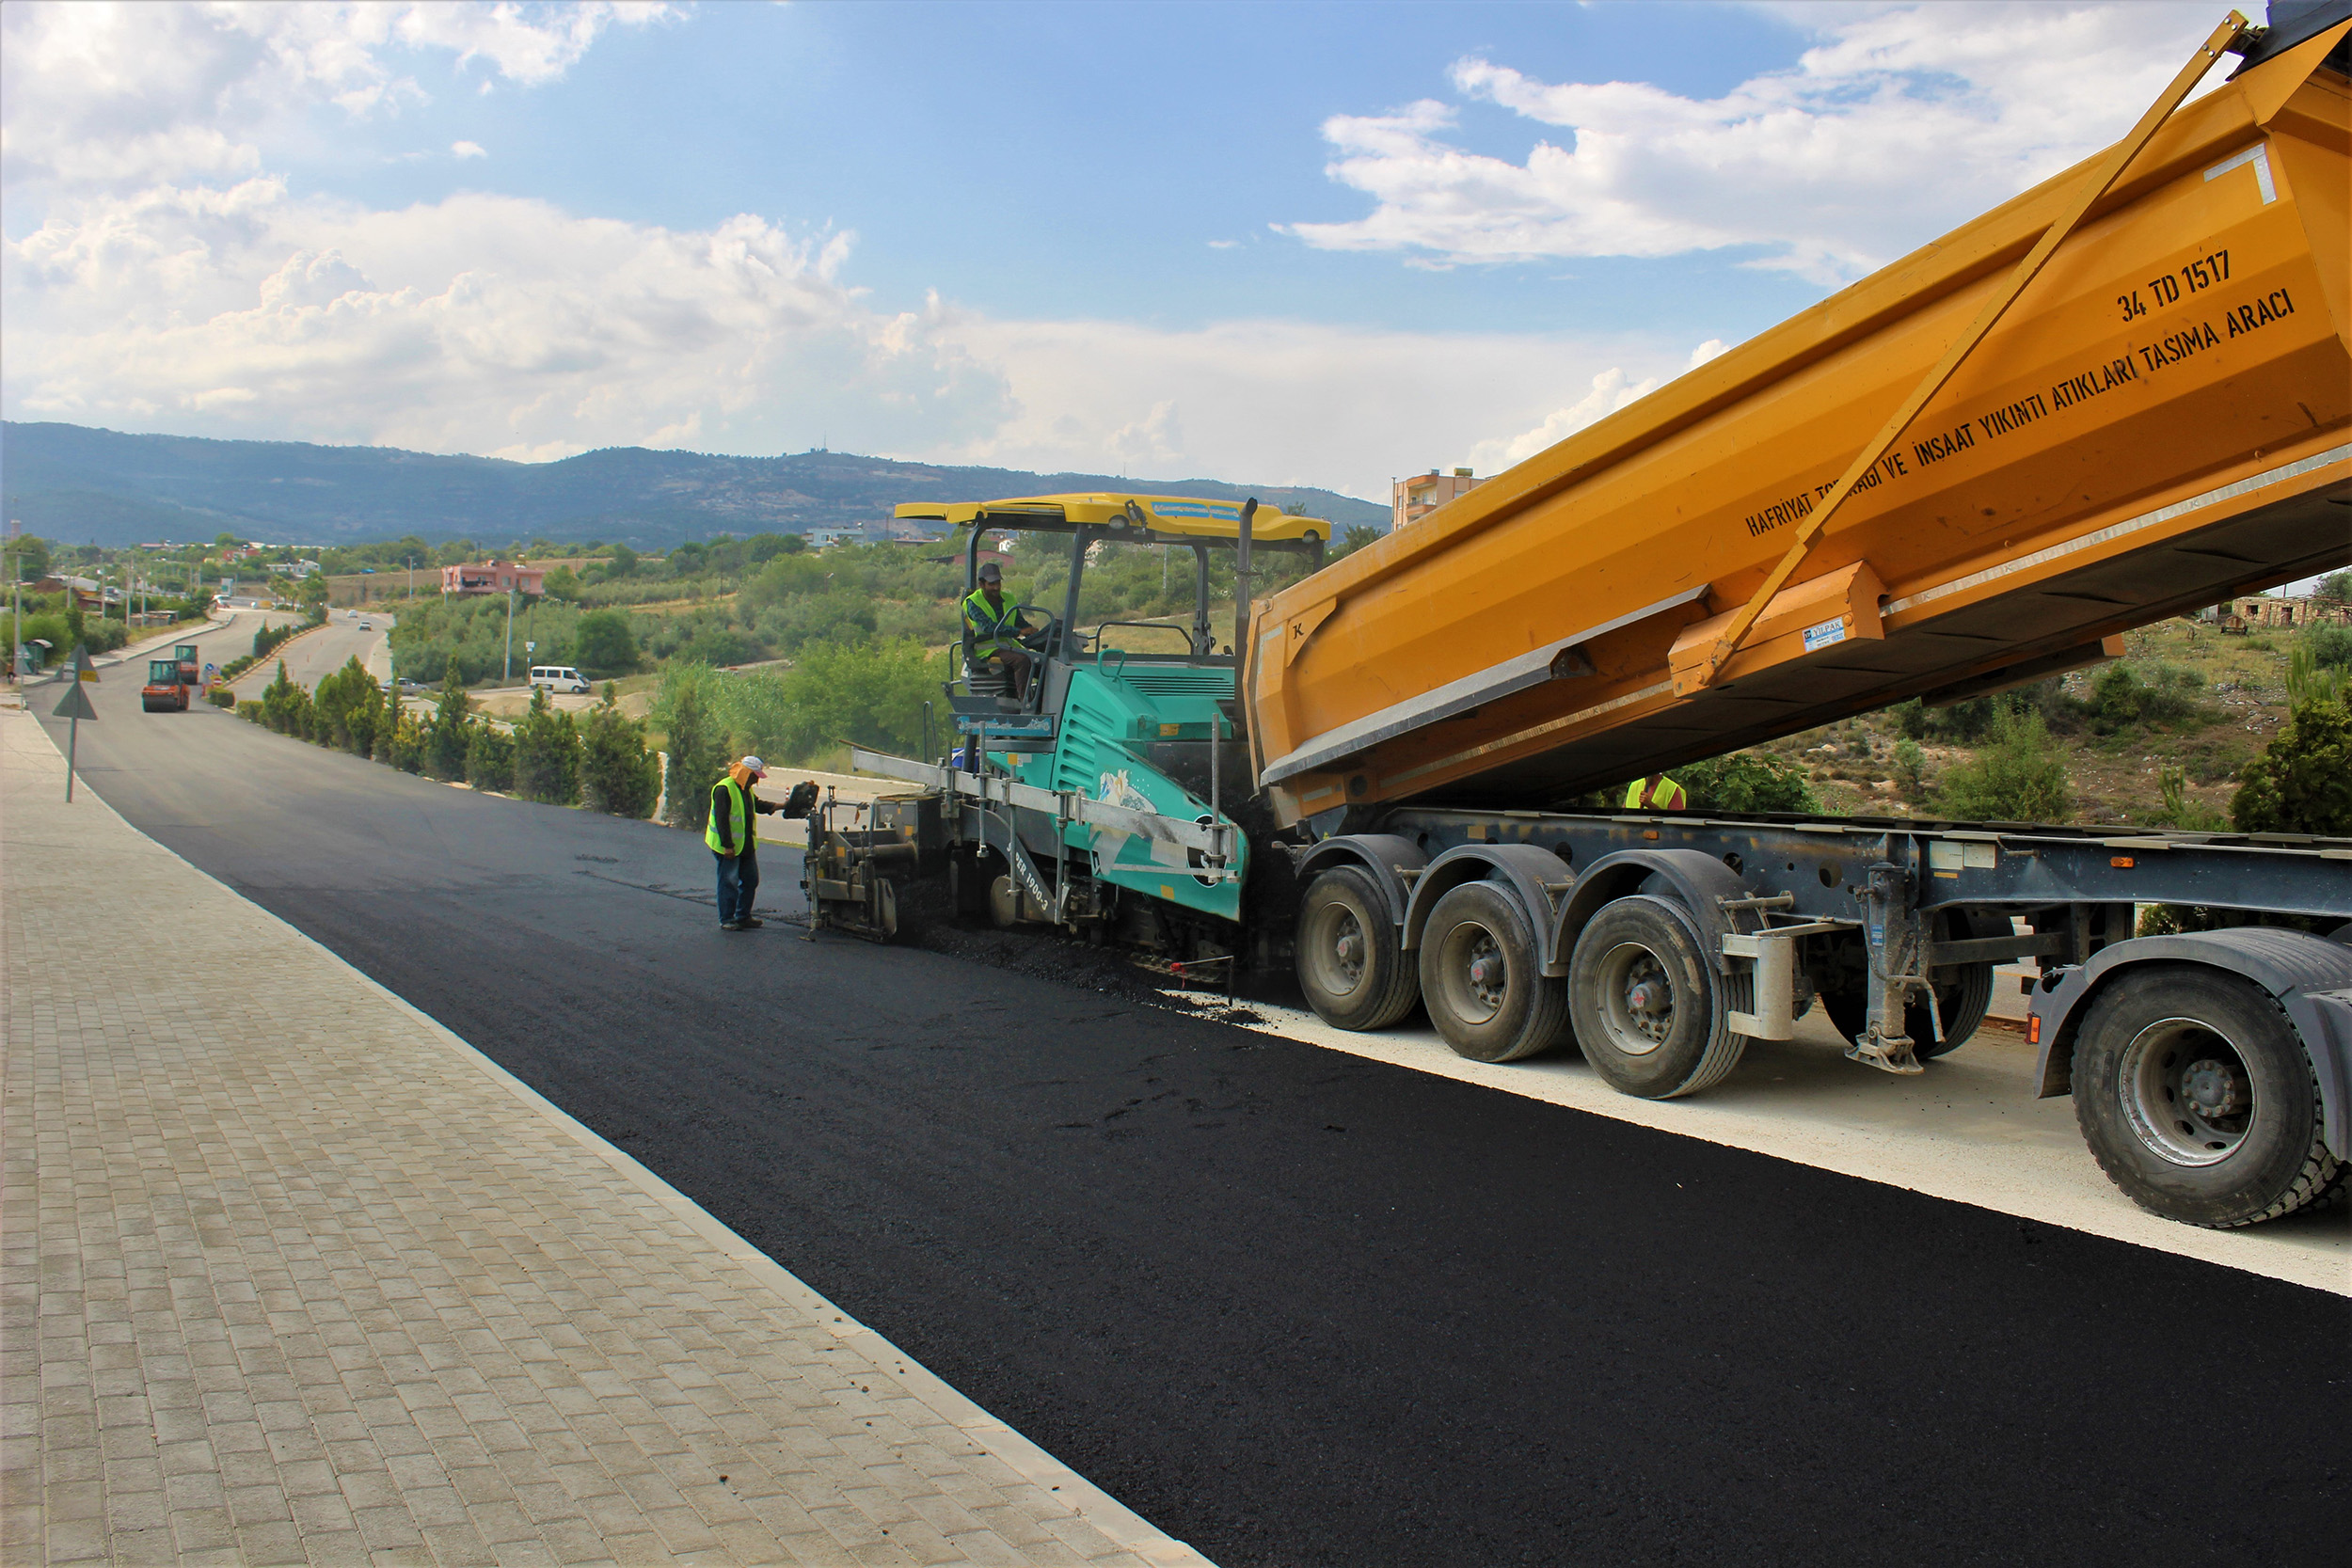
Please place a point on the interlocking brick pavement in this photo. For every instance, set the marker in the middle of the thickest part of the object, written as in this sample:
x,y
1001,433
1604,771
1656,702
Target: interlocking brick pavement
x,y
289,1273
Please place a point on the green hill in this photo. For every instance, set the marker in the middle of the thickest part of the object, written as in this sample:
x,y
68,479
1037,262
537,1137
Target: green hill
x,y
101,486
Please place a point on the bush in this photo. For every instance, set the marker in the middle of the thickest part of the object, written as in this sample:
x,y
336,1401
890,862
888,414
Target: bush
x,y
618,776
697,752
2330,648
344,707
2179,809
220,696
446,738
285,707
250,712
2123,695
2302,782
1746,781
547,754
1911,769
489,757
408,745
2017,776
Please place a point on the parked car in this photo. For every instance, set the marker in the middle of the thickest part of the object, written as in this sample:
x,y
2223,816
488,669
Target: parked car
x,y
558,677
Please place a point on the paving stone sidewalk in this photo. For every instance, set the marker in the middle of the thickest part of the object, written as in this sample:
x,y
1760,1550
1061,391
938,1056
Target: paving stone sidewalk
x,y
290,1274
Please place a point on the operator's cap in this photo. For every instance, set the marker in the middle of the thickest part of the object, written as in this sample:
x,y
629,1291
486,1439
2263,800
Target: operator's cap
x,y
991,572
755,768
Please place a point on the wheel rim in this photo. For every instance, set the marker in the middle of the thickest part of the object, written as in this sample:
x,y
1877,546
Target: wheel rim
x,y
1637,999
2185,1092
1338,950
1476,977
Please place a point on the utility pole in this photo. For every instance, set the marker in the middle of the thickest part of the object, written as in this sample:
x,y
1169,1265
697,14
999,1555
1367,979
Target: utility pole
x,y
507,673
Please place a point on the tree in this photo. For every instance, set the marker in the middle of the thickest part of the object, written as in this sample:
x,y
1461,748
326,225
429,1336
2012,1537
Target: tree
x,y
2302,782
697,752
445,737
1742,782
1355,537
345,704
618,776
547,754
602,643
489,756
2016,776
561,583
623,561
31,558
314,593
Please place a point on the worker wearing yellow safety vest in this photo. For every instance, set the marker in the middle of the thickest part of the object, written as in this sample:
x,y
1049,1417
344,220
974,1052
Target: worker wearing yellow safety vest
x,y
733,833
996,629
1655,793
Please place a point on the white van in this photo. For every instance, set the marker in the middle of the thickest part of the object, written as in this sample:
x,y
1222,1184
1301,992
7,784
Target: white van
x,y
558,677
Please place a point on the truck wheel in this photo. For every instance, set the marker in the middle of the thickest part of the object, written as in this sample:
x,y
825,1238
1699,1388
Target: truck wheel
x,y
1350,964
2197,1099
1642,997
1963,1003
1481,980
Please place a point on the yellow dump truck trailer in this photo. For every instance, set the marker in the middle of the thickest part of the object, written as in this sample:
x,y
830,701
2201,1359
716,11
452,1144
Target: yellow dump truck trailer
x,y
2159,422
2125,394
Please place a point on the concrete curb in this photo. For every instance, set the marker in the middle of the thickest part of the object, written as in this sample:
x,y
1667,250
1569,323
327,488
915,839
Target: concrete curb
x,y
1113,1519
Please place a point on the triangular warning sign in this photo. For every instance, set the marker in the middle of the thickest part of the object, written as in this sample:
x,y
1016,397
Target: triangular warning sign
x,y
83,669
76,705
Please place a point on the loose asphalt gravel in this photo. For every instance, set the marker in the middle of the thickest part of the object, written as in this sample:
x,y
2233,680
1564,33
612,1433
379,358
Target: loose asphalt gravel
x,y
1294,1307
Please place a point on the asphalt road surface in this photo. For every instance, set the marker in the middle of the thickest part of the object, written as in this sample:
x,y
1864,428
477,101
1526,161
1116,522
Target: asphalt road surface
x,y
312,656
1296,1306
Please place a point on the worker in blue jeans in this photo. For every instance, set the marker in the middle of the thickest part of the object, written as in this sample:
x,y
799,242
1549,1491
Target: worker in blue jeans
x,y
733,836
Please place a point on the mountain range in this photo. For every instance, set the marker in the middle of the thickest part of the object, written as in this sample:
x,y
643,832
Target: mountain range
x,y
80,486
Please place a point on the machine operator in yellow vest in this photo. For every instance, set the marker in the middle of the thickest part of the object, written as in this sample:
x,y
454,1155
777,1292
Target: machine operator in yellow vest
x,y
1655,793
733,834
996,629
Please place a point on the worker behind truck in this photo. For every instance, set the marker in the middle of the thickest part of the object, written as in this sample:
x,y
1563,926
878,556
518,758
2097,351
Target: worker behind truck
x,y
733,834
997,631
1655,793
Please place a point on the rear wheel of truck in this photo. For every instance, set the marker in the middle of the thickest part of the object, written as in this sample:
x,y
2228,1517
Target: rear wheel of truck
x,y
2198,1099
1642,999
1481,980
1350,963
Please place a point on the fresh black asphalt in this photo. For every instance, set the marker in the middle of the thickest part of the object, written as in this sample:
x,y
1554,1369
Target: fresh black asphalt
x,y
1291,1306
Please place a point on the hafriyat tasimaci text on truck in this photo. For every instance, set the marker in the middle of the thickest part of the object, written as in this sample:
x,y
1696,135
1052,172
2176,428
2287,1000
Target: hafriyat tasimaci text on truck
x,y
2123,396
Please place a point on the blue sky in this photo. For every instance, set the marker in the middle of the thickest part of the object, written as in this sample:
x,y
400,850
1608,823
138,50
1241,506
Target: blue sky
x,y
1320,243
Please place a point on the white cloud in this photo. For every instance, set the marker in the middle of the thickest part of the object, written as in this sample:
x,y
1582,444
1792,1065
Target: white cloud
x,y
1612,390
466,149
1274,402
479,323
1900,123
99,93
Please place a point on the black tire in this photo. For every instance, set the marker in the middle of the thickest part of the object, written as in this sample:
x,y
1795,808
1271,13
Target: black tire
x,y
2198,1099
1963,1004
1641,1040
1350,961
1481,980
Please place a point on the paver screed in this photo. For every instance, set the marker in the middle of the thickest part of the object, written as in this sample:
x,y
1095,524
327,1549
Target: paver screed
x,y
293,1273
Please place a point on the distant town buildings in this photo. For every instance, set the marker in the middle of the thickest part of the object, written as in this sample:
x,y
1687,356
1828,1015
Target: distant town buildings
x,y
492,577
824,538
1412,500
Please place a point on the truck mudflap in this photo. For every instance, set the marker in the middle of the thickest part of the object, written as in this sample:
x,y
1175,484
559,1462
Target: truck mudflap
x,y
2309,976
